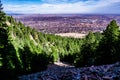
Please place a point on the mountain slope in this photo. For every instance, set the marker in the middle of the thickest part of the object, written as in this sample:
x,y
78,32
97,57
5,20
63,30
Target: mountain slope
x,y
24,50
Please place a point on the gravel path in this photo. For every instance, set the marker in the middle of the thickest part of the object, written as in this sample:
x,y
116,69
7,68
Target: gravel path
x,y
61,71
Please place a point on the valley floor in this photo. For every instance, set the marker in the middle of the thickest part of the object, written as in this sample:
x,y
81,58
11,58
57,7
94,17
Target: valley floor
x,y
74,35
63,71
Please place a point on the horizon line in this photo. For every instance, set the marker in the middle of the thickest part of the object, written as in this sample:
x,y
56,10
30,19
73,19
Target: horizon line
x,y
63,13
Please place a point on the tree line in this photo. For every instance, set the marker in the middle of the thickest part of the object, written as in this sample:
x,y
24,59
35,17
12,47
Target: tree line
x,y
25,50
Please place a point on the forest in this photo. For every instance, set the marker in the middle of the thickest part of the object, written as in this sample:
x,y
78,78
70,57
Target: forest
x,y
24,50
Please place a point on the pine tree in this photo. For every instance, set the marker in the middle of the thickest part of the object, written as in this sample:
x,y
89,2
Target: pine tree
x,y
0,6
2,14
90,38
112,31
108,44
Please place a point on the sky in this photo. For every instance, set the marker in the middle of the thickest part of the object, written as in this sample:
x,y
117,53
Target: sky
x,y
62,6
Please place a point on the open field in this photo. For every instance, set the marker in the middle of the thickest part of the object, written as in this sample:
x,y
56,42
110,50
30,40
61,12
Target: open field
x,y
74,35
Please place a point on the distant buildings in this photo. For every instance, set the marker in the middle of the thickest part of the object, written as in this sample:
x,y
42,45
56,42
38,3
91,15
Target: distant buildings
x,y
67,24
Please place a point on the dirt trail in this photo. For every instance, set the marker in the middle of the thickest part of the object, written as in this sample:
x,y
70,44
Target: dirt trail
x,y
59,64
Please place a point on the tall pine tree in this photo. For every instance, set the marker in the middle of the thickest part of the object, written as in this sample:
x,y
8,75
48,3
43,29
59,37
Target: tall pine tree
x,y
2,14
0,6
108,45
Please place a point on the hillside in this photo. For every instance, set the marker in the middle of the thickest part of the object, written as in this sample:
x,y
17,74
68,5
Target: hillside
x,y
24,50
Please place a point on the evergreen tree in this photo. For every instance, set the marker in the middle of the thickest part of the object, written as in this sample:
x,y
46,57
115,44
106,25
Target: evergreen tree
x,y
108,45
0,6
2,14
90,38
86,56
112,31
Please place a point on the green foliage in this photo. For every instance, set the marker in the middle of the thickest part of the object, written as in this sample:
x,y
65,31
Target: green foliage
x,y
100,48
24,50
108,46
87,55
2,14
20,49
0,6
112,31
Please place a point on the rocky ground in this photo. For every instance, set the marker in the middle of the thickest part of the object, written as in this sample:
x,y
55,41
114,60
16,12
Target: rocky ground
x,y
61,71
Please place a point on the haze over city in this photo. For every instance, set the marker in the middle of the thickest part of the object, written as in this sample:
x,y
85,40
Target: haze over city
x,y
62,6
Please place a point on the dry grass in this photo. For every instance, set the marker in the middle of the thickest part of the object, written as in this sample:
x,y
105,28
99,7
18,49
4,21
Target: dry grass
x,y
74,35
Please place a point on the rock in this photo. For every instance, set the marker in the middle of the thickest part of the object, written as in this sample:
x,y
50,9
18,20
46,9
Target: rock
x,y
105,72
107,78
